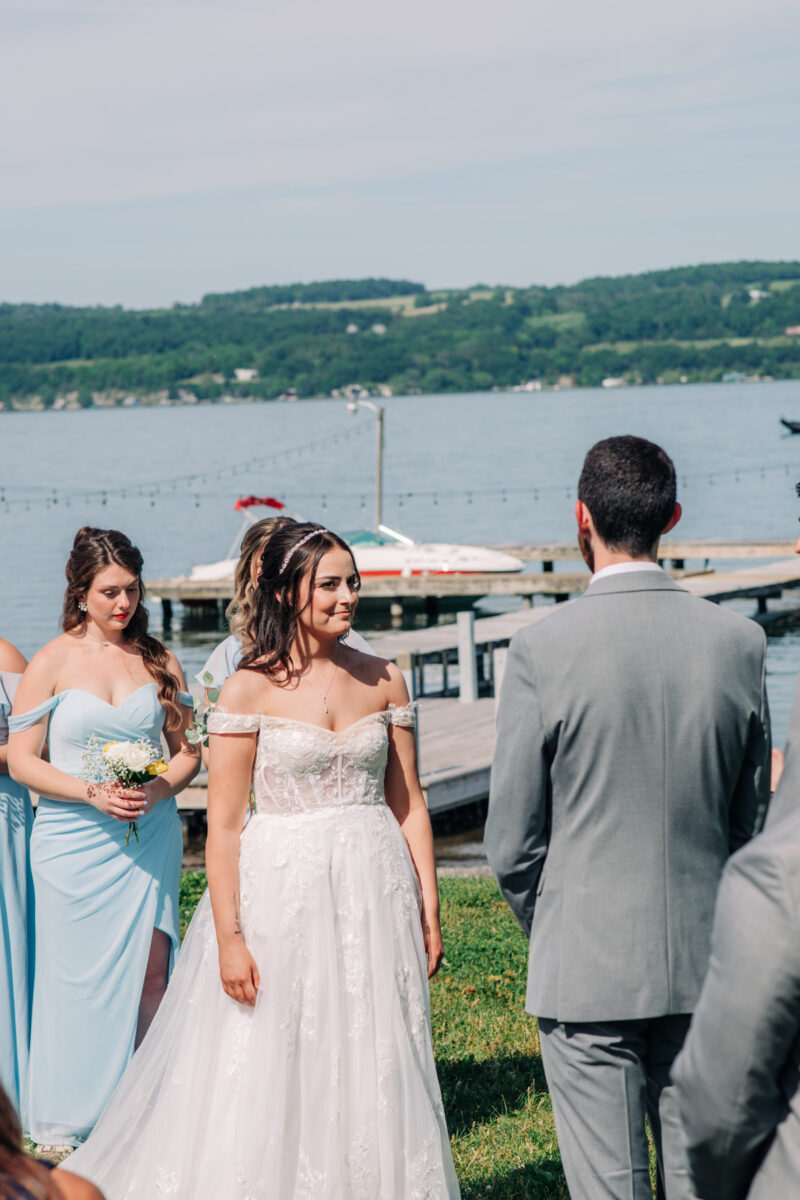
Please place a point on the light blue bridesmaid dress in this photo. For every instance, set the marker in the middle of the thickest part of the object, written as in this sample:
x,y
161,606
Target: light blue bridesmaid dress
x,y
97,904
16,917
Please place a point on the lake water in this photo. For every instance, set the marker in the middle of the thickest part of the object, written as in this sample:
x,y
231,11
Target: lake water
x,y
488,467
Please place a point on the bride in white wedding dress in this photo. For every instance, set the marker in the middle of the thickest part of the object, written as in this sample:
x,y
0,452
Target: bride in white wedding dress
x,y
291,1058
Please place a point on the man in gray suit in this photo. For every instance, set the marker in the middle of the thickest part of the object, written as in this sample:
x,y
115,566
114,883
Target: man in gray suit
x,y
737,1079
632,758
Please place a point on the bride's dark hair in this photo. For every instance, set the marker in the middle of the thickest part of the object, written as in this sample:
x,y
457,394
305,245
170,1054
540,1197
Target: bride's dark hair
x,y
92,550
291,555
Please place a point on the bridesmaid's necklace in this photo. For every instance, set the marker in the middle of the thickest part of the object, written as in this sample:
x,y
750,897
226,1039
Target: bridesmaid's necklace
x,y
97,641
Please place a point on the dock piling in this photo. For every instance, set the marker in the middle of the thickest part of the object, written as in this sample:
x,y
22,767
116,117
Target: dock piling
x,y
467,658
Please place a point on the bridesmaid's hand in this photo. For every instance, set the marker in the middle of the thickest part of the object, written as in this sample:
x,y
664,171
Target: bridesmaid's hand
x,y
434,946
238,972
125,804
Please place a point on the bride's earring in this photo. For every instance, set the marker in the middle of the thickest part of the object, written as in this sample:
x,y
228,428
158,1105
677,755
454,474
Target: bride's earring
x,y
83,606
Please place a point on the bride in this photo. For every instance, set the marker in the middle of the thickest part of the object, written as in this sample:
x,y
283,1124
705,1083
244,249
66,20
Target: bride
x,y
308,1072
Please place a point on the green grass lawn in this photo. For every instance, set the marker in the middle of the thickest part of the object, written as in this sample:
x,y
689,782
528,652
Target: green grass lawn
x,y
487,1048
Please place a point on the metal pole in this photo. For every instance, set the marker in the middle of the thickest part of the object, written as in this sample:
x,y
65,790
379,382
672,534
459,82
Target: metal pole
x,y
379,472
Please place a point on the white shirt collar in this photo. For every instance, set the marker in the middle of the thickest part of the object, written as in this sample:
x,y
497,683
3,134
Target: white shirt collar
x,y
623,568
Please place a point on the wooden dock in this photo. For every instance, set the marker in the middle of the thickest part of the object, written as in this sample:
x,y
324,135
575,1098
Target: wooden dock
x,y
431,591
456,738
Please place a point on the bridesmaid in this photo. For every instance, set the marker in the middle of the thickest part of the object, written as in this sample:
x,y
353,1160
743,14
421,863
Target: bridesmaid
x,y
106,911
16,899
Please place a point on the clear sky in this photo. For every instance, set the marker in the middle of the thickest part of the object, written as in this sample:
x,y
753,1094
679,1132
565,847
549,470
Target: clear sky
x,y
154,150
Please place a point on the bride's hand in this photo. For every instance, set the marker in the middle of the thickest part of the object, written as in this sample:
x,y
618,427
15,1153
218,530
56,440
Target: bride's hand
x,y
238,972
125,804
434,947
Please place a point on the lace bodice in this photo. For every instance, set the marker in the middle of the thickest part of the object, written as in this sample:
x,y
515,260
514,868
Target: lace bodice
x,y
303,768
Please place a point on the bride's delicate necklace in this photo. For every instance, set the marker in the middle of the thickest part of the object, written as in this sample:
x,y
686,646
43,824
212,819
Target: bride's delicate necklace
x,y
324,695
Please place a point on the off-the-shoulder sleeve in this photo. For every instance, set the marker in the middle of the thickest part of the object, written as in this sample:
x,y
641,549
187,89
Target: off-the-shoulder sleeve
x,y
20,721
230,722
221,662
403,714
186,698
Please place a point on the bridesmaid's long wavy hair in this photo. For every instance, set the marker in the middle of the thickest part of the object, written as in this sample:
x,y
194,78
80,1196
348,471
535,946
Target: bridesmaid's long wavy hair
x,y
240,610
17,1170
92,550
291,555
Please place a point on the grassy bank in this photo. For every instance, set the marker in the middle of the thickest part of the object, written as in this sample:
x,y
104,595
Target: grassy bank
x,y
487,1049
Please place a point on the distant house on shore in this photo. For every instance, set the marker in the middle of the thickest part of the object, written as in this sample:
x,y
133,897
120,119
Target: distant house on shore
x,y
245,374
352,328
792,331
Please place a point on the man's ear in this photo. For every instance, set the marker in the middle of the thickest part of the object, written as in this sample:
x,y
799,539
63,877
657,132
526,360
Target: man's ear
x,y
583,517
677,512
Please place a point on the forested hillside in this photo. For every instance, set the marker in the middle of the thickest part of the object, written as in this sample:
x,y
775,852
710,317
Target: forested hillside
x,y
695,323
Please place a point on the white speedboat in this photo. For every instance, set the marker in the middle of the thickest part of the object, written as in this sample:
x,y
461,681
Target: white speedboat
x,y
384,553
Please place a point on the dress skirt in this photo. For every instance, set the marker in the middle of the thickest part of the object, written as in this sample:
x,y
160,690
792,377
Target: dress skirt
x,y
327,1089
97,902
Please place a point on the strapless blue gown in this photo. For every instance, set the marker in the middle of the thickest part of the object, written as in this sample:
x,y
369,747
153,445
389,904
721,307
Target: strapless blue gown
x,y
16,917
97,902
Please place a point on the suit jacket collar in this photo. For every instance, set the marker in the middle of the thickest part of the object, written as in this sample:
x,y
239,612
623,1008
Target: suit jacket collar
x,y
634,581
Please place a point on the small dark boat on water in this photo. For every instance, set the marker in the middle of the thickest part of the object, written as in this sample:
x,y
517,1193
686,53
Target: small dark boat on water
x,y
792,426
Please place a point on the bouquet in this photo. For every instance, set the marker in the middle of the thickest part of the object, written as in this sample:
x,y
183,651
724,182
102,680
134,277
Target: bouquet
x,y
128,763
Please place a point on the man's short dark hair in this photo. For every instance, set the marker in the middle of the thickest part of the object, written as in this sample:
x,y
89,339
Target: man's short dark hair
x,y
628,485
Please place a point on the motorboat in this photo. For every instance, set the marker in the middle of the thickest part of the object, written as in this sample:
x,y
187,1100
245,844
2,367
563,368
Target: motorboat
x,y
385,553
380,553
792,426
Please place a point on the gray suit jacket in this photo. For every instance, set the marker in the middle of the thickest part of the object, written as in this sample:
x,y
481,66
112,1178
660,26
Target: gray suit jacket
x,y
738,1076
632,757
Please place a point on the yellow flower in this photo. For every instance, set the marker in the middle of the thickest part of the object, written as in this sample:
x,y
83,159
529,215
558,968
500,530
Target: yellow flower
x,y
108,746
157,768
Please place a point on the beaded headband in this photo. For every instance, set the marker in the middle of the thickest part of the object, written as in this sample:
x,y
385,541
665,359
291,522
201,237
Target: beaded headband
x,y
297,546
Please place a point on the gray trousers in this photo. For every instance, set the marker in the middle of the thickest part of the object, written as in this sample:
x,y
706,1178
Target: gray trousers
x,y
604,1079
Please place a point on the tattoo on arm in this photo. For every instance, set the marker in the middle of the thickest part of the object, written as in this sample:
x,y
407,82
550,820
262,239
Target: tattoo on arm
x,y
237,921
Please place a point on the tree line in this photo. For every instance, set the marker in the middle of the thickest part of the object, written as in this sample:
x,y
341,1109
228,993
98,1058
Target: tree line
x,y
693,322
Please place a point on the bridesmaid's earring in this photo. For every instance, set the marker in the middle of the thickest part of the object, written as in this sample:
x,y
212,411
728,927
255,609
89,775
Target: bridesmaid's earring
x,y
83,606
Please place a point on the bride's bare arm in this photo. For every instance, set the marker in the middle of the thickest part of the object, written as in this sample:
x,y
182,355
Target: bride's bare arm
x,y
405,799
230,772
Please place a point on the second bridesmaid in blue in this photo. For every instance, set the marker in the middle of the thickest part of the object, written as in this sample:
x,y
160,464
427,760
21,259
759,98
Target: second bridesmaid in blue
x,y
16,899
106,907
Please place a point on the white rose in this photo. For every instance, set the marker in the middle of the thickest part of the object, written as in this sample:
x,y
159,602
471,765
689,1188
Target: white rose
x,y
131,755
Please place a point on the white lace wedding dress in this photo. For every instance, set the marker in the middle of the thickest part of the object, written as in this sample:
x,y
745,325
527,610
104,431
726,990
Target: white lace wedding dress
x,y
327,1089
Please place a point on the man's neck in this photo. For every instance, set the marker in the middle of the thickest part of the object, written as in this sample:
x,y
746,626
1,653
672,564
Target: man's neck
x,y
603,557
